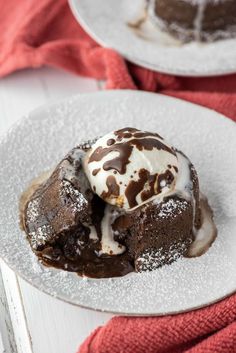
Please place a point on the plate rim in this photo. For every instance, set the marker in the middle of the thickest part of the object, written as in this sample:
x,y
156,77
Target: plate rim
x,y
75,5
117,313
30,116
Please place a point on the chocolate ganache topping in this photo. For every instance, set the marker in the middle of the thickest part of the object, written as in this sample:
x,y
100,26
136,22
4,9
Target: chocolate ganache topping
x,y
128,167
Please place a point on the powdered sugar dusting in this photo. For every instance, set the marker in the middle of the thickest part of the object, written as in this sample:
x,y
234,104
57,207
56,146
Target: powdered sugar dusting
x,y
33,210
151,260
79,200
185,284
43,235
172,208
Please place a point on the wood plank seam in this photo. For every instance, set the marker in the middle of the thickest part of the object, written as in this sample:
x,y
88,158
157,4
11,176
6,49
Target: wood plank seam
x,y
7,339
17,312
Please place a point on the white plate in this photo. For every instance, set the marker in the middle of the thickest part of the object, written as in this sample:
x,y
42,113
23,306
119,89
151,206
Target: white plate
x,y
37,142
106,21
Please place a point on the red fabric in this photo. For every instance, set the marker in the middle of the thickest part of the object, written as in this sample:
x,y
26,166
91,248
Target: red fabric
x,y
208,330
37,33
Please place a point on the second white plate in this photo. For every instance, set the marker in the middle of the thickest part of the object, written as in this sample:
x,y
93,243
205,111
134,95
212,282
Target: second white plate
x,y
107,22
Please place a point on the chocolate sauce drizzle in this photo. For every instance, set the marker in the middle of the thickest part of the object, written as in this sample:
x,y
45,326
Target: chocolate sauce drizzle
x,y
112,187
141,140
147,185
126,132
149,144
145,134
96,171
129,132
110,142
136,186
151,183
118,163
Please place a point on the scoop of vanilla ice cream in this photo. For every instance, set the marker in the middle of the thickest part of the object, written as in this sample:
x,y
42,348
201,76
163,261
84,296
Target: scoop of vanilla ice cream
x,y
129,167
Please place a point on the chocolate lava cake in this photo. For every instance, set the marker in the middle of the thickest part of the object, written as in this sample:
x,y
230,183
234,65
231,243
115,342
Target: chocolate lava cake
x,y
201,20
127,201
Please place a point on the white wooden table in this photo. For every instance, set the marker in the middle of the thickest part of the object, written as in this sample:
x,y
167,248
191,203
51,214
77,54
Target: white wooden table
x,y
31,321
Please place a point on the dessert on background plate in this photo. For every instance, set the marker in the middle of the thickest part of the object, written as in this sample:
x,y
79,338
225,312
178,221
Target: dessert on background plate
x,y
127,201
178,37
200,20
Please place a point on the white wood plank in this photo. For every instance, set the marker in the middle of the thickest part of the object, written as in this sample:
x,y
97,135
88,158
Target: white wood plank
x,y
2,350
26,90
7,340
16,309
58,84
61,327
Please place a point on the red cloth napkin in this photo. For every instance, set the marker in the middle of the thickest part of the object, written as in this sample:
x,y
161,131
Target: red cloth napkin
x,y
209,330
37,33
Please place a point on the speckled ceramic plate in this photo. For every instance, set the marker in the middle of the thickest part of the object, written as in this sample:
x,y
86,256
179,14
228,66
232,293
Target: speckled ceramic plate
x,y
39,141
107,22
